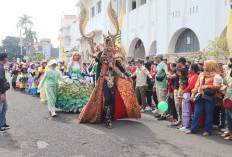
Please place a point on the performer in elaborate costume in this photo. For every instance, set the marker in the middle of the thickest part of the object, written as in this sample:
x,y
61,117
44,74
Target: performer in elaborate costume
x,y
113,97
24,76
74,94
14,73
50,81
35,83
31,78
41,73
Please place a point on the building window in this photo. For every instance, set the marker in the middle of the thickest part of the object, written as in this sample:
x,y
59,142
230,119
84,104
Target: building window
x,y
133,5
196,9
143,2
187,42
93,12
190,10
99,7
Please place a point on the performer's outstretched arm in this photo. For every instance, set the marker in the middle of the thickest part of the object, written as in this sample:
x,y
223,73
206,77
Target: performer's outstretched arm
x,y
120,67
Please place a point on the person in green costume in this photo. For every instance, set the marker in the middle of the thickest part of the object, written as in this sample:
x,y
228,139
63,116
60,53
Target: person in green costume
x,y
74,94
51,80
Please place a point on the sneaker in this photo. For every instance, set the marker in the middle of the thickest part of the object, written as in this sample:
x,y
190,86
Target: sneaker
x,y
148,108
142,111
184,129
6,127
175,124
162,118
155,111
157,116
2,130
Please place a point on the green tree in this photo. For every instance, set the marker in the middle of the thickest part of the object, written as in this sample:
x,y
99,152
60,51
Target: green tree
x,y
36,57
10,45
31,37
25,23
218,49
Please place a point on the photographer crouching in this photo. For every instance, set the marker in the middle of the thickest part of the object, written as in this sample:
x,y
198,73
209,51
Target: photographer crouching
x,y
4,86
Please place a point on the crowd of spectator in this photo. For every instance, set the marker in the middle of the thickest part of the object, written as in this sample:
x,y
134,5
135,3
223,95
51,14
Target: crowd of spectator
x,y
199,95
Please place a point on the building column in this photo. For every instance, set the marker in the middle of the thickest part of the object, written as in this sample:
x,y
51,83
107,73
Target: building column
x,y
127,26
138,3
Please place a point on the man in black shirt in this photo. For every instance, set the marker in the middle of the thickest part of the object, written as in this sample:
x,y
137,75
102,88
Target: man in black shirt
x,y
181,71
3,102
148,64
12,65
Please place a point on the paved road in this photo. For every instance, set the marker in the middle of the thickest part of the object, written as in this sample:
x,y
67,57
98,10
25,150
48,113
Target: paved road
x,y
33,133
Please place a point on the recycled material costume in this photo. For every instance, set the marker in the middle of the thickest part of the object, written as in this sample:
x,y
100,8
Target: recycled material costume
x,y
41,73
113,97
31,78
14,73
74,94
50,81
24,76
35,83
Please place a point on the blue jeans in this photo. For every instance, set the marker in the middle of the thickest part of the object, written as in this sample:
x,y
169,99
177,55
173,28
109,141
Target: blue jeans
x,y
229,119
3,110
208,106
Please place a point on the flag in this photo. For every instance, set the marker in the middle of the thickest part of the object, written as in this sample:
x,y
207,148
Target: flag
x,y
62,49
229,30
119,36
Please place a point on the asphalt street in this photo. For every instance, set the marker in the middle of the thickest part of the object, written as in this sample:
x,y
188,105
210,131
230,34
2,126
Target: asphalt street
x,y
34,134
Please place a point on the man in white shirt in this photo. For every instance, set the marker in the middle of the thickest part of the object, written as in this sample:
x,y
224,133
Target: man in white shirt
x,y
141,74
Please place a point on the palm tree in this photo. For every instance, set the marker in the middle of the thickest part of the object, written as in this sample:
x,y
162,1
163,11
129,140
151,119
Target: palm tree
x,y
24,22
31,37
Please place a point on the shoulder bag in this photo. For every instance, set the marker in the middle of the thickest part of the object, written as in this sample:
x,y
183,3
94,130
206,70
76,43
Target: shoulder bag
x,y
208,94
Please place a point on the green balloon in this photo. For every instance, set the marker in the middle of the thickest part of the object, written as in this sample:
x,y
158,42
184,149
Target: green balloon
x,y
163,106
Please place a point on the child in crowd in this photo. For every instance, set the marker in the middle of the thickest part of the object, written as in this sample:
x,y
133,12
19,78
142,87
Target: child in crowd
x,y
186,106
170,95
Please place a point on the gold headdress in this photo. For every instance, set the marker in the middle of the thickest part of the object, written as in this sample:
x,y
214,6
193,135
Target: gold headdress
x,y
109,41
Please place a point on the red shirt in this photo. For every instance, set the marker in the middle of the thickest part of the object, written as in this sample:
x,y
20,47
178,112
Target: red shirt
x,y
153,71
170,86
133,69
192,82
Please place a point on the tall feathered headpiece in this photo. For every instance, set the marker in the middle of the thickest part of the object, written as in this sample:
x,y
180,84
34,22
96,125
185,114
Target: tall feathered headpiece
x,y
109,41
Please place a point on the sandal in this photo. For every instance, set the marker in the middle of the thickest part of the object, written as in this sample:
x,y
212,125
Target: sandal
x,y
228,138
189,132
226,134
205,134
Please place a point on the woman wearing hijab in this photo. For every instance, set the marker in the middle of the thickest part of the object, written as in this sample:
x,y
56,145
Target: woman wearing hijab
x,y
208,86
51,80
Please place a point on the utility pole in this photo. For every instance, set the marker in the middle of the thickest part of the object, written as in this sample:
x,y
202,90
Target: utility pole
x,y
21,43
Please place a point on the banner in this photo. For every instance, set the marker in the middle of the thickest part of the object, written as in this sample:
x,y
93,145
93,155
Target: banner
x,y
229,30
62,49
118,41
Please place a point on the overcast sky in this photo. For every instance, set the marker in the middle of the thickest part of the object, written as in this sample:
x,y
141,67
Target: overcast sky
x,y
46,15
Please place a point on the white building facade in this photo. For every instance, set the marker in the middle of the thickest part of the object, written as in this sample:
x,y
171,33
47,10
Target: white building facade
x,y
47,47
158,26
69,32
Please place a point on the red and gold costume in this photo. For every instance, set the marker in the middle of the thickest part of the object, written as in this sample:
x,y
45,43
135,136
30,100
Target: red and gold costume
x,y
113,97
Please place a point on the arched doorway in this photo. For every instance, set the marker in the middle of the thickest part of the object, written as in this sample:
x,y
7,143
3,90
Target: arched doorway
x,y
184,40
137,49
153,48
